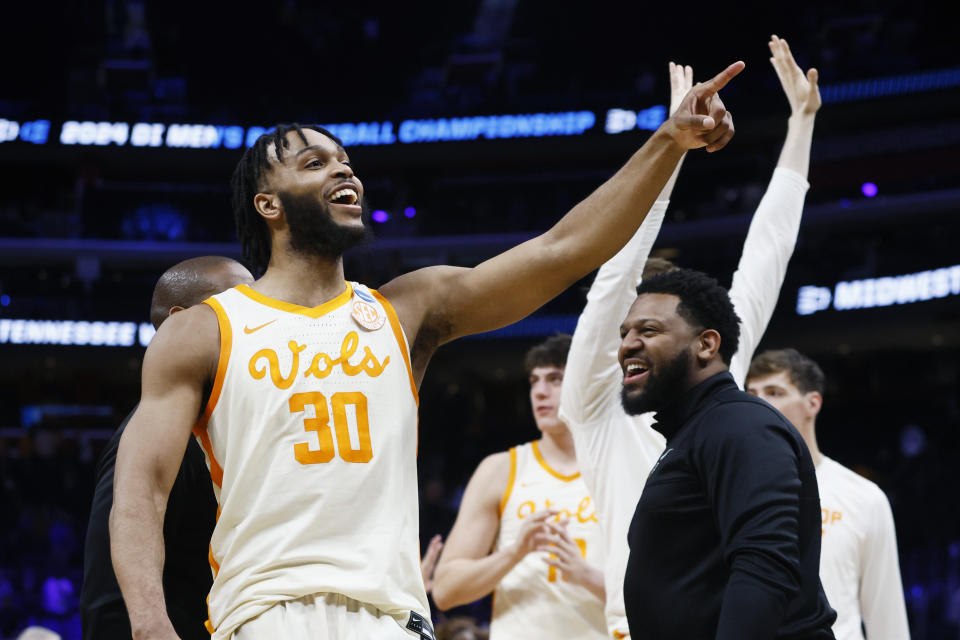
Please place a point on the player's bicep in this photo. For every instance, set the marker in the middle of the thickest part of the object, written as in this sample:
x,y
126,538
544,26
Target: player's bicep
x,y
458,301
475,529
175,369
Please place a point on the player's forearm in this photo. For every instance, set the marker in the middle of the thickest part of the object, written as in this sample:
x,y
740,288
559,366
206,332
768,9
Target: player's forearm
x,y
136,545
796,148
667,190
464,580
600,225
593,582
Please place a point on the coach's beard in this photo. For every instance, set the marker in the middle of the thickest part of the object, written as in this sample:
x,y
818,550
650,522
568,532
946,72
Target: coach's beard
x,y
313,230
661,388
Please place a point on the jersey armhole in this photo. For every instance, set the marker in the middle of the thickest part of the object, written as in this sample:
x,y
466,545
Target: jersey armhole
x,y
200,429
510,480
398,334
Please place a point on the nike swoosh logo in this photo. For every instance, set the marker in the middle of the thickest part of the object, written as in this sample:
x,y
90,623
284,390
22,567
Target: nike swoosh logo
x,y
249,330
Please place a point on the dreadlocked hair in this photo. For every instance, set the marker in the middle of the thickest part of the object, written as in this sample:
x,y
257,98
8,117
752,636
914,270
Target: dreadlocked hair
x,y
703,304
247,182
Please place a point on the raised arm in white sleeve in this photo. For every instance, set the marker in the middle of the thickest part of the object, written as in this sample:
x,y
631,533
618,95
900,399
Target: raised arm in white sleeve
x,y
592,372
882,604
763,265
773,230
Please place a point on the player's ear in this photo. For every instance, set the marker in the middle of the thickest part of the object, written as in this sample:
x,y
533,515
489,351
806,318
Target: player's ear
x,y
174,309
268,205
708,345
814,402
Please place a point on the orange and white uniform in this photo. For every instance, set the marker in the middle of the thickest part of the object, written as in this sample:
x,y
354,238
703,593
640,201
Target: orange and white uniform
x,y
859,568
311,439
533,600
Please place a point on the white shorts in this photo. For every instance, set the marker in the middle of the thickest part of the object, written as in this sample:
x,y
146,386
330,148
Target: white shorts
x,y
324,616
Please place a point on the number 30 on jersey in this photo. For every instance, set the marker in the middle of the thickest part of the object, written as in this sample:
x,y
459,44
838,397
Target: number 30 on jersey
x,y
339,402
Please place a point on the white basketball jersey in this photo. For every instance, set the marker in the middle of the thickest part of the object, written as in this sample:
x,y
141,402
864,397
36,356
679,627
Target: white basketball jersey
x,y
533,600
311,439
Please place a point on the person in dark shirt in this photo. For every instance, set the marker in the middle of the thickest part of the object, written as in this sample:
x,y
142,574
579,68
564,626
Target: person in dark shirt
x,y
192,507
725,540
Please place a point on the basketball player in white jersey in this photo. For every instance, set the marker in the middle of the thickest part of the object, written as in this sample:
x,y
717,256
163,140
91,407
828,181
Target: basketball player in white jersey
x,y
615,450
302,390
527,529
859,568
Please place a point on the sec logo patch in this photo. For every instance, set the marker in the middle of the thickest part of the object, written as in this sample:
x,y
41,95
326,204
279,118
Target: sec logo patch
x,y
367,316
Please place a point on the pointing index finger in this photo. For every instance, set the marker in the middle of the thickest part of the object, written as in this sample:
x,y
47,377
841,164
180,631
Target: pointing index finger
x,y
720,80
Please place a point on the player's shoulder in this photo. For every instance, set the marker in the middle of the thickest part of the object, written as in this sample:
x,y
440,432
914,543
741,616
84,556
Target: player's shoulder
x,y
495,465
418,284
186,339
491,478
836,474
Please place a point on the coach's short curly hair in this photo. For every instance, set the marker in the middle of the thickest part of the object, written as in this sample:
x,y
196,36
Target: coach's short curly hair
x,y
704,304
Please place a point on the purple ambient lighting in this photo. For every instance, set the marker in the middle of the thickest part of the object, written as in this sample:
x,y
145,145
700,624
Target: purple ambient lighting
x,y
409,212
380,216
868,189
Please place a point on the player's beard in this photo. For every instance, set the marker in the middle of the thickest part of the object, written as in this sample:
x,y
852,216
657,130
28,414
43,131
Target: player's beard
x,y
661,389
313,230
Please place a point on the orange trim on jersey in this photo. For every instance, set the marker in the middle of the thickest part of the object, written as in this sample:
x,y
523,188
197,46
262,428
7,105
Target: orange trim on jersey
x,y
213,563
311,312
510,480
206,623
620,635
200,429
216,569
398,334
543,463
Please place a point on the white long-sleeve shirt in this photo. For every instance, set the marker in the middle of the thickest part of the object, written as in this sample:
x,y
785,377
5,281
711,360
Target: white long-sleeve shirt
x,y
616,451
858,557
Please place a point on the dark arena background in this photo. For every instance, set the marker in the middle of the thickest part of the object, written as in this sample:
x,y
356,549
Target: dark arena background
x,y
474,126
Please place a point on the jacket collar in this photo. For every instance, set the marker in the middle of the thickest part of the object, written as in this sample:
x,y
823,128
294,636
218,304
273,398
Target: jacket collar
x,y
671,419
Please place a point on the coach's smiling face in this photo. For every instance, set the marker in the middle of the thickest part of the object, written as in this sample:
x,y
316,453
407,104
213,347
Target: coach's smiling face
x,y
661,354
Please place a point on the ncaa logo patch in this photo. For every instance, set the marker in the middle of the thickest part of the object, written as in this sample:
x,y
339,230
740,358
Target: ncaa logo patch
x,y
367,316
363,295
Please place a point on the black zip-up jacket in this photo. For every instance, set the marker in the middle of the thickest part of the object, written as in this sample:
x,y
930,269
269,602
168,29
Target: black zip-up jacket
x,y
725,541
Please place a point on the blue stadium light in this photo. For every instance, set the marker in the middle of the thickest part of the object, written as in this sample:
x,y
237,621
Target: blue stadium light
x,y
409,212
868,189
5,300
380,215
36,132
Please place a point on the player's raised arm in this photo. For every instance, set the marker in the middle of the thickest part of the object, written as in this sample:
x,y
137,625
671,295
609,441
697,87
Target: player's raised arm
x,y
803,94
504,289
776,223
181,358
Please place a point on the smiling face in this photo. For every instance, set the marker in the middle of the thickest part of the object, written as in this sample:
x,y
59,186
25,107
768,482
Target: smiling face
x,y
658,351
314,190
545,385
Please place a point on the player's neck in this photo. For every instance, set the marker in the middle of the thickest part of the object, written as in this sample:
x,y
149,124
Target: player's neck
x,y
306,280
809,434
559,452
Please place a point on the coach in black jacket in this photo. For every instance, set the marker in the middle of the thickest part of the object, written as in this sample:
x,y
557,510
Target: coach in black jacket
x,y
725,541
